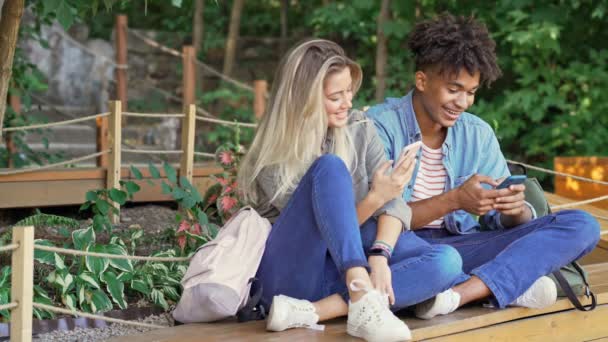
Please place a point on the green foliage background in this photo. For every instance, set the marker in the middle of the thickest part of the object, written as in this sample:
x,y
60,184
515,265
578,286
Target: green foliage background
x,y
553,53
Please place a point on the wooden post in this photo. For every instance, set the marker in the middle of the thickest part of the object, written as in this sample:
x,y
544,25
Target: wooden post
x,y
15,102
114,138
102,141
22,286
260,90
121,59
188,126
188,76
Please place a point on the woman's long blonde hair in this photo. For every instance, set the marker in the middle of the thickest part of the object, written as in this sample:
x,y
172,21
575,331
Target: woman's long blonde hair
x,y
292,131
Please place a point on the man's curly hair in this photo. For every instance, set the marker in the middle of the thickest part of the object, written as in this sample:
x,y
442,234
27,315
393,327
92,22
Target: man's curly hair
x,y
453,43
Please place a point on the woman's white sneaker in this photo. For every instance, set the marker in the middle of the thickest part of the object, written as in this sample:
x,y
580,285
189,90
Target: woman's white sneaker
x,y
371,319
541,294
287,312
442,304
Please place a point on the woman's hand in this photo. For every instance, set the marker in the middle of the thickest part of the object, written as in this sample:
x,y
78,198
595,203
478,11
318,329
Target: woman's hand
x,y
381,276
389,185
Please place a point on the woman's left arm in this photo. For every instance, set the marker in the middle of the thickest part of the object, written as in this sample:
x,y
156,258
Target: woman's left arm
x,y
389,229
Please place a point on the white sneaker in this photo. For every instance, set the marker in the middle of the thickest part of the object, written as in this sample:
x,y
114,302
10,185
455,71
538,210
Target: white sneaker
x,y
371,319
541,294
287,312
442,304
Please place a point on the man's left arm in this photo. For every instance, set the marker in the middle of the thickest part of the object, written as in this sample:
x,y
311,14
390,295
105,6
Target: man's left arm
x,y
509,210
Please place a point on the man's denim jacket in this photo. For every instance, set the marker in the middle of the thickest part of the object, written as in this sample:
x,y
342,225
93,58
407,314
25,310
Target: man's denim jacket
x,y
469,148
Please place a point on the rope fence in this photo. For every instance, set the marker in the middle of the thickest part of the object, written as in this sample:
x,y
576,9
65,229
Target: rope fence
x,y
9,248
109,256
579,203
8,306
585,179
128,150
206,67
204,154
91,52
53,124
50,166
153,115
226,123
92,316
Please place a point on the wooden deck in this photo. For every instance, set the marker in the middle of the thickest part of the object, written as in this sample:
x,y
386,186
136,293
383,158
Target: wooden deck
x,y
560,322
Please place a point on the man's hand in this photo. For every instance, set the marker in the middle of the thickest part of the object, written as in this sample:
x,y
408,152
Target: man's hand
x,y
512,206
473,198
381,276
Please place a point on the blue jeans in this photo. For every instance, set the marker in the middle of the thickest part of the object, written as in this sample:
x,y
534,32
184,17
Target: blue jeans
x,y
317,238
509,261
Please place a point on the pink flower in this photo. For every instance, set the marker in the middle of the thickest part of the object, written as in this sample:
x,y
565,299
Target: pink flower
x,y
228,202
226,158
222,181
213,198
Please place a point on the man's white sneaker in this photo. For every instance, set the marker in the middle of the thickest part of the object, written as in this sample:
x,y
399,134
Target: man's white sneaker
x,y
442,304
371,319
287,312
541,294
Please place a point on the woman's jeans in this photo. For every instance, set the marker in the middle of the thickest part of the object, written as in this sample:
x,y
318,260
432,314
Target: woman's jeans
x,y
509,261
317,238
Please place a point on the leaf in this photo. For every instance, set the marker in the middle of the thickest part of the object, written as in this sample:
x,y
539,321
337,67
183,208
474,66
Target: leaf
x,y
166,188
59,263
98,222
118,196
158,298
100,301
64,281
90,279
140,286
5,275
103,206
83,238
188,202
116,289
69,300
91,196
153,171
178,193
176,3
132,187
121,264
95,264
136,234
136,173
170,172
65,15
202,218
44,256
125,276
171,293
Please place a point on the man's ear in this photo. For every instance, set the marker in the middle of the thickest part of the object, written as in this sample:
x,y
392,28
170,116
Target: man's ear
x,y
420,79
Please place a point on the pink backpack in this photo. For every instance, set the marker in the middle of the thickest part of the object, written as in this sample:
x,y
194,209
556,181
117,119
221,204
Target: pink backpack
x,y
221,274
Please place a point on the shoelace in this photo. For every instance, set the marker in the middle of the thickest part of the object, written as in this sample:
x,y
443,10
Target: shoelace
x,y
312,326
358,285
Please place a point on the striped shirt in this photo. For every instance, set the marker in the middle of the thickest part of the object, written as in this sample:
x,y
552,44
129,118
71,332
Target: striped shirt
x,y
431,178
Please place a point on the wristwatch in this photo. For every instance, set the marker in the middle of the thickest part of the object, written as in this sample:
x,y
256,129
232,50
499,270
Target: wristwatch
x,y
379,251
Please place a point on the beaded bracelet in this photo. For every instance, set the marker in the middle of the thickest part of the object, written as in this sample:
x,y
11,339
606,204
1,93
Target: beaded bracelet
x,y
383,245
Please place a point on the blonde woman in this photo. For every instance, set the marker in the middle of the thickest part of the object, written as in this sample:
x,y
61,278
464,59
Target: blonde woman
x,y
340,242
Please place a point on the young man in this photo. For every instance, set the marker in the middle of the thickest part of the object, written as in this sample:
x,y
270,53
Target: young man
x,y
458,168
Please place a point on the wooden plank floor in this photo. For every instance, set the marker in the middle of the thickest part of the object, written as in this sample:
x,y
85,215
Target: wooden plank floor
x,y
558,322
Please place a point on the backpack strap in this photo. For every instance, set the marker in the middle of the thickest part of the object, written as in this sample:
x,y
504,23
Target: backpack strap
x,y
563,283
253,310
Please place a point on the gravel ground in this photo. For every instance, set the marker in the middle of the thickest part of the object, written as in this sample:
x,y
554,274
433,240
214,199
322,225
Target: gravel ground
x,y
102,334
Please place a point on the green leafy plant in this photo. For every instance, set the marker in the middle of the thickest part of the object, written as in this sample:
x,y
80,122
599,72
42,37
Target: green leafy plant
x,y
97,202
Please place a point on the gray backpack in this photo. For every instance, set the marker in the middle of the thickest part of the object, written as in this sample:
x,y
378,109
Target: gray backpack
x,y
220,276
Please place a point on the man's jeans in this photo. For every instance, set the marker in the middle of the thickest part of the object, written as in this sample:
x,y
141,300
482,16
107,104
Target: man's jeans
x,y
316,239
509,261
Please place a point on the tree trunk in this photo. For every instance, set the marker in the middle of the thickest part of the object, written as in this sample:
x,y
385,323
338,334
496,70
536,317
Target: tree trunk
x,y
9,32
284,11
198,26
233,36
381,53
